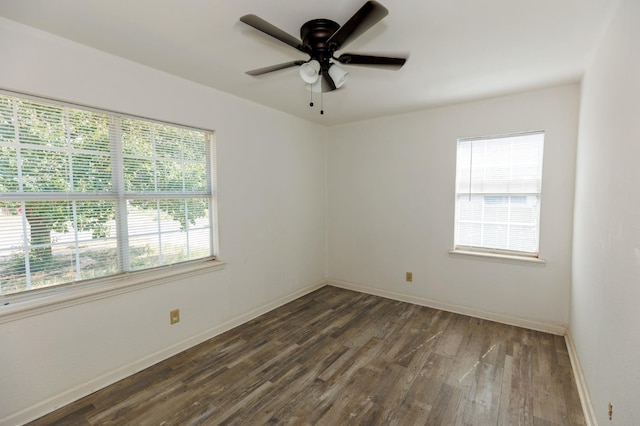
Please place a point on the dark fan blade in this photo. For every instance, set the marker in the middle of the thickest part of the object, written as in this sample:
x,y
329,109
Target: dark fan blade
x,y
275,67
275,32
330,86
368,15
372,61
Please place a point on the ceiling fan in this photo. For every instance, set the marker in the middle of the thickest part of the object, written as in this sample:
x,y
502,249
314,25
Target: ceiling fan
x,y
321,38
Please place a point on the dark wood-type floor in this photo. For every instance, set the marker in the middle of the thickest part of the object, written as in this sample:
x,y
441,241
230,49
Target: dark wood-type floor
x,y
337,357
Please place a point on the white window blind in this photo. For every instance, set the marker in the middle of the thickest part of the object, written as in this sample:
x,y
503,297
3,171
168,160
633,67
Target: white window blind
x,y
87,194
498,188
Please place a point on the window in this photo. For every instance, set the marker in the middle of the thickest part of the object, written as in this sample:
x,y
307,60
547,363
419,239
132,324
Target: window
x,y
87,194
498,186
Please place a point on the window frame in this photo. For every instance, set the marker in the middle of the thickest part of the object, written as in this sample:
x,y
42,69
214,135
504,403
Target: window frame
x,y
78,291
490,253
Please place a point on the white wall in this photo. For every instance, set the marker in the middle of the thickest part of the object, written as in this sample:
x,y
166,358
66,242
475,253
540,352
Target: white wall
x,y
605,309
390,185
271,215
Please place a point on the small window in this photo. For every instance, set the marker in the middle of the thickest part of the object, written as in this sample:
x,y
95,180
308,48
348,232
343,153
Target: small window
x,y
498,188
87,194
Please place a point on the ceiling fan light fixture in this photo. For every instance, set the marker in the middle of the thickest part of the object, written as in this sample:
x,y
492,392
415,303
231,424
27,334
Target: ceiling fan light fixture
x,y
320,39
310,71
338,75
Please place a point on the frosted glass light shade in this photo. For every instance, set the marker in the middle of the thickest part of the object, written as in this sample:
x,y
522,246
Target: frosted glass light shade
x,y
338,75
310,71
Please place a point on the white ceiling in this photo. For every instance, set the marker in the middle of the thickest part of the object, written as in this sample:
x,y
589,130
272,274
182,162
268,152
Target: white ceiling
x,y
459,50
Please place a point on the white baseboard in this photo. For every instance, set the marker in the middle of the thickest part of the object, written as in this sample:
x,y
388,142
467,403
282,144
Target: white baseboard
x,y
73,394
557,329
581,383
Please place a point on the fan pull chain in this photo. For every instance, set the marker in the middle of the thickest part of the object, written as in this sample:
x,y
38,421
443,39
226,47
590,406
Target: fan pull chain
x,y
311,99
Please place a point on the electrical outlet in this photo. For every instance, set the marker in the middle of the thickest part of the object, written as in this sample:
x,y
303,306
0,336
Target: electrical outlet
x,y
610,411
174,316
409,277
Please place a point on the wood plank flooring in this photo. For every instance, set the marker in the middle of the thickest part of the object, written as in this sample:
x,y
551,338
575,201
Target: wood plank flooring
x,y
337,357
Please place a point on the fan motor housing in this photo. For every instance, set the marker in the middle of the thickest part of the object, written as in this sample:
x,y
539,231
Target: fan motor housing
x,y
314,34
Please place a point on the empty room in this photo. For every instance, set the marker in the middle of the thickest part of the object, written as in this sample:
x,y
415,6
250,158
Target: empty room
x,y
339,212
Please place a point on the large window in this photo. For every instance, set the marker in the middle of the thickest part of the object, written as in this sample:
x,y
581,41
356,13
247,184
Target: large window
x,y
498,188
87,194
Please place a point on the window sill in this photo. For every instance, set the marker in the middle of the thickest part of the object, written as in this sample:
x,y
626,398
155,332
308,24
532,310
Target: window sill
x,y
501,258
15,307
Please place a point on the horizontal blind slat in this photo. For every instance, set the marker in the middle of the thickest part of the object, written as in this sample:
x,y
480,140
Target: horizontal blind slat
x,y
59,200
498,187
